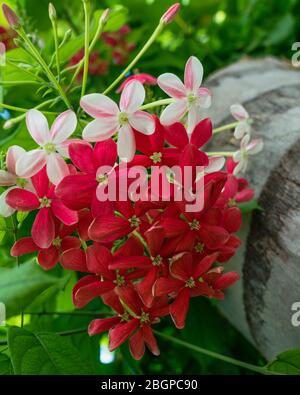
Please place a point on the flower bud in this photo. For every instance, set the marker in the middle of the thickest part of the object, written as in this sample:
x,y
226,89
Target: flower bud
x,y
11,17
170,14
52,12
8,125
104,16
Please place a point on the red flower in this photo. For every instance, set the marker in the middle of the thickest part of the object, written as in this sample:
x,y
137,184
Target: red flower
x,y
49,205
143,78
121,47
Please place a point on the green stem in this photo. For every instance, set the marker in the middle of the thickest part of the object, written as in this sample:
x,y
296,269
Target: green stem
x,y
150,41
225,127
72,332
44,65
245,365
20,109
221,153
55,35
86,5
162,102
16,83
70,313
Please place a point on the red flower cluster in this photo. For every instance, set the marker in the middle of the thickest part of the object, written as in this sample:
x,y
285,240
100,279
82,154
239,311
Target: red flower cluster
x,y
118,41
97,66
144,259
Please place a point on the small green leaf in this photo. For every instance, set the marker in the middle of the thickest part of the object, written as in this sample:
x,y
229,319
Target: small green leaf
x,y
247,207
44,353
287,362
21,216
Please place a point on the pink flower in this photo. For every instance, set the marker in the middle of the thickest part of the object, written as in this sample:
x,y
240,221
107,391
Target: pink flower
x,y
188,97
247,149
143,78
110,119
9,178
240,114
170,14
53,145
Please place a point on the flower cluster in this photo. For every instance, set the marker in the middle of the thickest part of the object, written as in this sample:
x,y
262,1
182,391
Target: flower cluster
x,y
144,259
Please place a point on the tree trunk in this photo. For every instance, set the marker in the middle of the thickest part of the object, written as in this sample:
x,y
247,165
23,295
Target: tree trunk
x,y
260,306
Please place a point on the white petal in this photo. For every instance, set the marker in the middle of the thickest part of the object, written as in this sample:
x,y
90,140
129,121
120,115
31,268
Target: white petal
x,y
239,112
100,129
173,112
204,97
98,105
31,163
241,129
245,141
37,125
193,74
132,96
5,209
13,154
216,163
63,148
63,126
193,118
172,85
126,143
255,146
142,122
240,167
7,179
237,156
57,168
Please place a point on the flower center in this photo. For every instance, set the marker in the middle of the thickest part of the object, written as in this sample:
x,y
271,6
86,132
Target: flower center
x,y
120,280
144,317
123,118
124,316
194,225
156,261
45,202
156,157
134,221
231,202
191,98
57,242
49,148
190,283
21,182
199,247
102,179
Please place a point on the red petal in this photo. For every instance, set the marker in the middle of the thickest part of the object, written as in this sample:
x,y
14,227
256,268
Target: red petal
x,y
204,265
85,220
102,325
105,153
232,219
82,282
70,242
24,246
176,135
108,228
202,133
145,287
43,229
64,214
120,333
244,196
132,246
129,262
165,286
48,258
150,340
192,156
40,182
74,259
155,238
81,155
88,292
174,227
213,236
179,308
181,266
130,298
22,200
136,343
98,259
225,280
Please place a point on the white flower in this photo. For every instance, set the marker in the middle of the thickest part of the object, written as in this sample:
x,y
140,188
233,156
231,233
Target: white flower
x,y
247,148
241,115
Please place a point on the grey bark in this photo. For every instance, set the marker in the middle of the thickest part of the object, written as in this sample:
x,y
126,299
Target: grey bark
x,y
269,259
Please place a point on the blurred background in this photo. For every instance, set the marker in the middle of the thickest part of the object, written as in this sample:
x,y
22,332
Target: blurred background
x,y
218,32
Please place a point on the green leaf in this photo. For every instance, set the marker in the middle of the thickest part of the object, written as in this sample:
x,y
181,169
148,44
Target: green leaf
x,y
22,215
44,353
287,362
19,286
247,207
5,365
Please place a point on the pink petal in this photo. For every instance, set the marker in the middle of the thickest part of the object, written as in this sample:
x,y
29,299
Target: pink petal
x,y
30,163
204,97
172,85
43,229
82,156
63,148
173,112
22,200
226,280
63,126
5,209
23,246
239,112
40,182
7,179
202,133
13,154
126,143
142,122
255,146
99,106
132,97
105,153
193,74
64,214
100,129
37,125
57,169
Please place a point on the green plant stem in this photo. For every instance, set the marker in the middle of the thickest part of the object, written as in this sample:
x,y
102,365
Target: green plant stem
x,y
224,358
20,109
70,313
225,127
44,65
55,35
17,83
86,5
150,41
162,102
72,332
142,240
221,153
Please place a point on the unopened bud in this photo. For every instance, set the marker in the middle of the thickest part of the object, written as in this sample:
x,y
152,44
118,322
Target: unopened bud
x,y
8,125
52,12
11,17
68,35
170,14
104,16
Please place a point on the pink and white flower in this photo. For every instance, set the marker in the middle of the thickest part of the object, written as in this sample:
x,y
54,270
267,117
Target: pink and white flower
x,y
109,118
188,97
9,178
240,114
53,145
247,148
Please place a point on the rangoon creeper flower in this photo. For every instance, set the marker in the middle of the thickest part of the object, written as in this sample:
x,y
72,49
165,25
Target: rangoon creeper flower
x,y
188,97
10,179
110,119
53,145
240,114
247,148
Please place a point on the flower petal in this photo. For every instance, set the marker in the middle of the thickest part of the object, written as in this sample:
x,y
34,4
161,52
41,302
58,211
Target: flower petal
x,y
142,122
202,133
132,96
179,308
204,97
173,112
74,259
255,146
63,213
37,125
226,280
5,209
7,179
57,169
98,105
193,74
24,246
109,228
22,200
63,126
120,333
181,266
82,156
137,345
13,154
126,143
48,257
239,112
101,325
172,85
30,163
43,229
100,129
